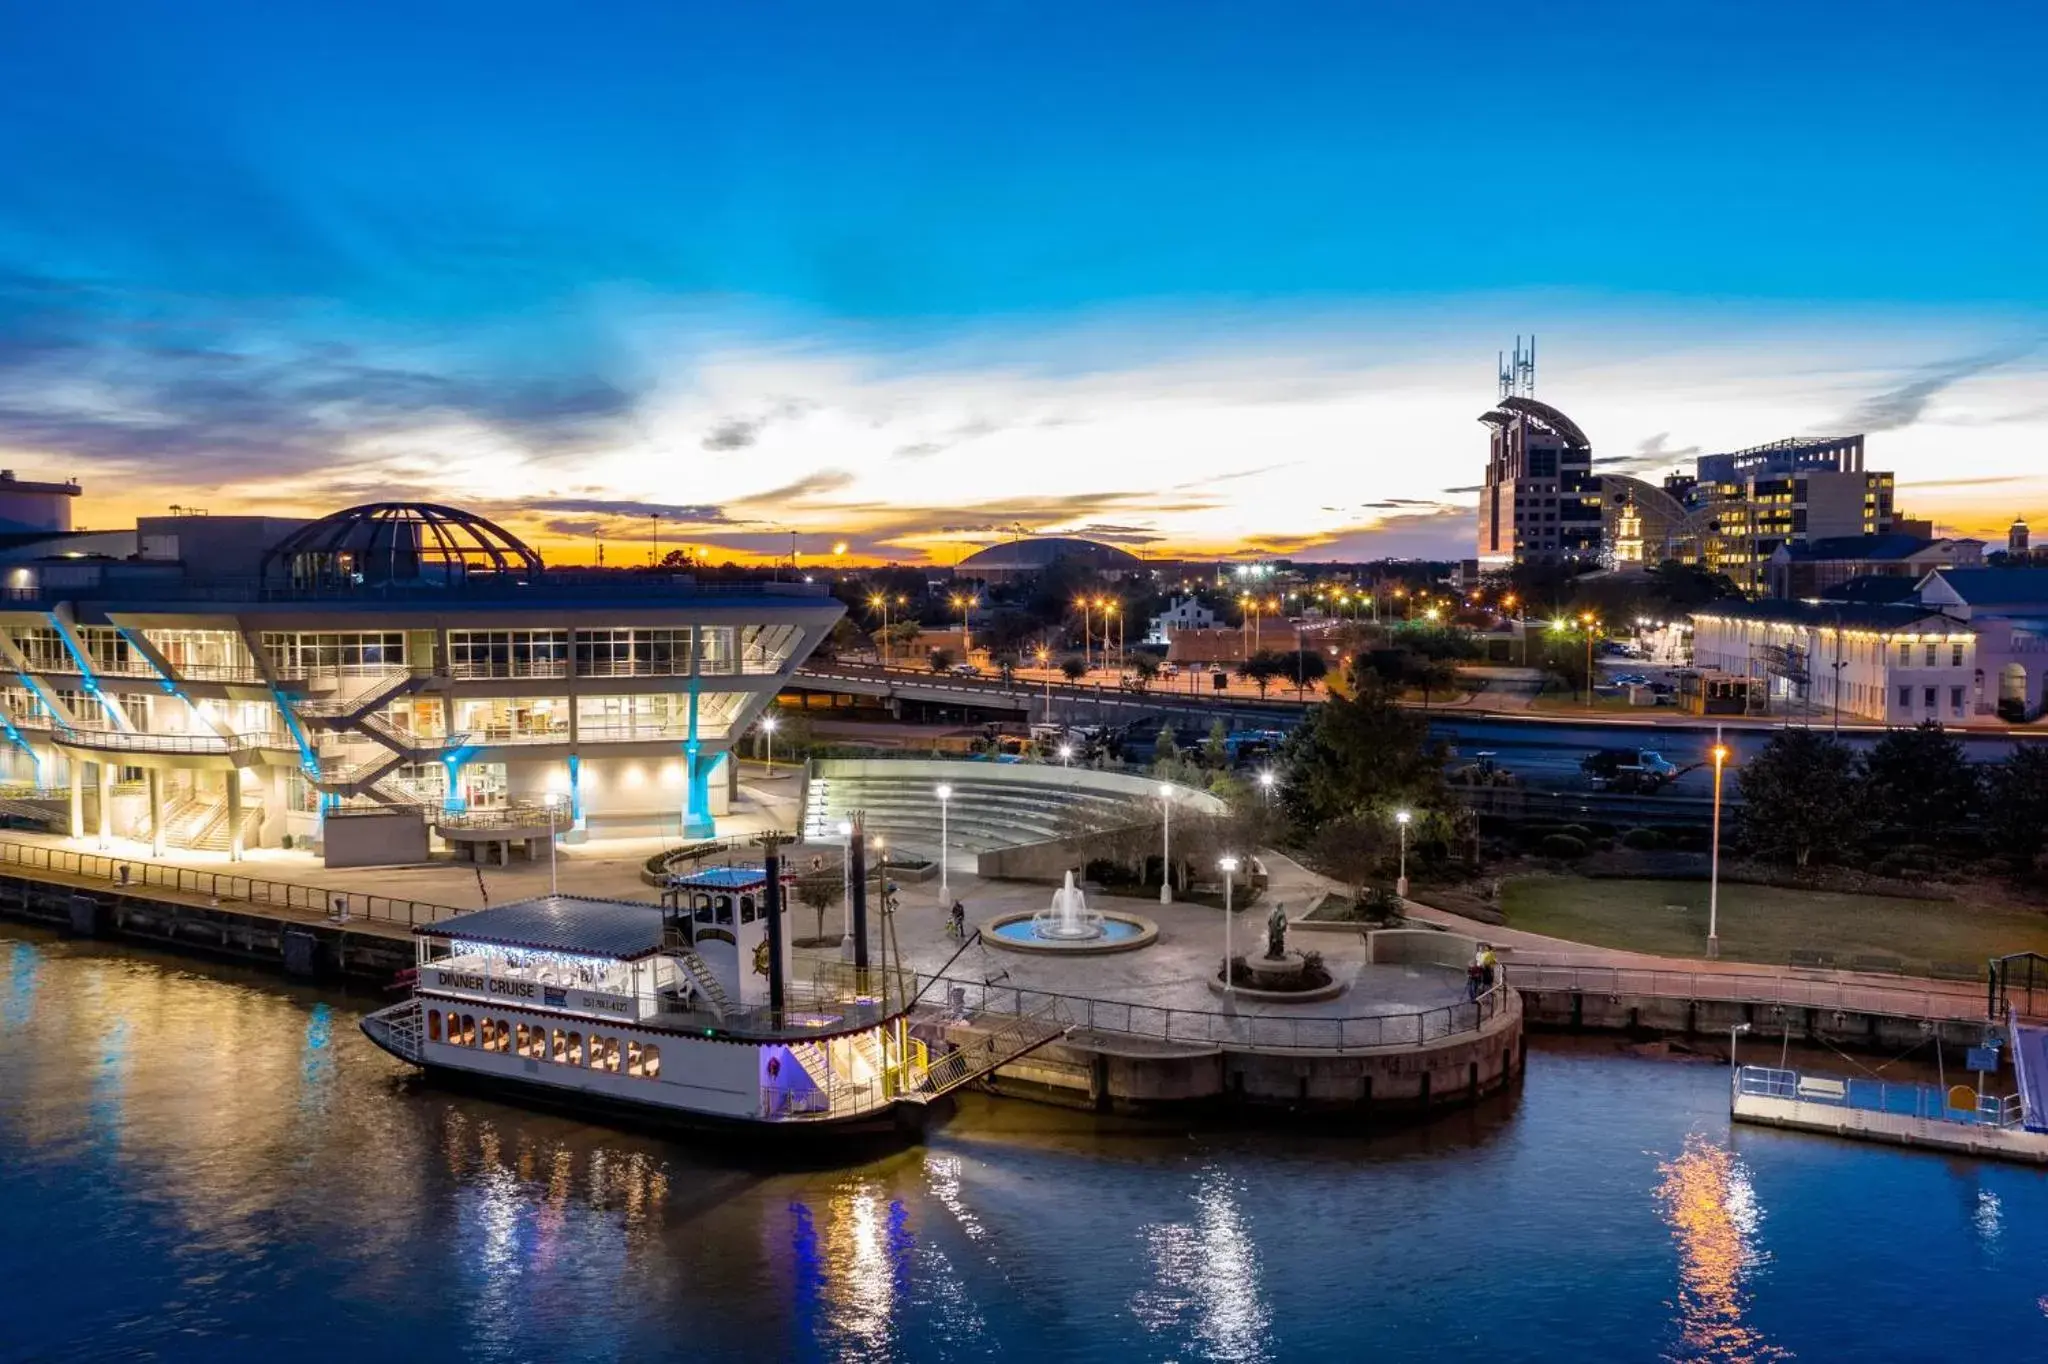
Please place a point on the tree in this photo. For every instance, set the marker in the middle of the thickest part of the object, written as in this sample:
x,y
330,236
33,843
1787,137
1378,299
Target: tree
x,y
1353,849
846,638
2016,805
820,890
1307,667
1262,668
1799,798
1165,751
1918,783
1216,747
1360,755
1073,668
1144,671
942,660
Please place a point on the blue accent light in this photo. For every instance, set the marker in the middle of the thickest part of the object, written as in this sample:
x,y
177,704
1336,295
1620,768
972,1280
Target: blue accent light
x,y
453,760
575,791
697,821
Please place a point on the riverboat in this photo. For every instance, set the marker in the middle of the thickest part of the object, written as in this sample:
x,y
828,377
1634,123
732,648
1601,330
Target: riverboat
x,y
683,1014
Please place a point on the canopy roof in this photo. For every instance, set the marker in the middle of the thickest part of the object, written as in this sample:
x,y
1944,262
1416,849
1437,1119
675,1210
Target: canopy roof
x,y
621,930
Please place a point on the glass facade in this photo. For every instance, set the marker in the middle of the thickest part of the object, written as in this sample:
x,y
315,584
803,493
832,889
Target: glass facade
x,y
508,653
633,652
294,654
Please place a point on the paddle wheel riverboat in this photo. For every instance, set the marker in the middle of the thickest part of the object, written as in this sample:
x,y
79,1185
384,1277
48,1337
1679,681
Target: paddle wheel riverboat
x,y
683,1014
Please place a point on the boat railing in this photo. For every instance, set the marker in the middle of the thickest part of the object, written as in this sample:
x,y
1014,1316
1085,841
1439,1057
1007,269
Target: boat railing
x,y
838,1098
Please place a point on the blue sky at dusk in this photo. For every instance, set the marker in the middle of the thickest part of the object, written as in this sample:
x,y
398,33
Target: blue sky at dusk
x,y
1194,276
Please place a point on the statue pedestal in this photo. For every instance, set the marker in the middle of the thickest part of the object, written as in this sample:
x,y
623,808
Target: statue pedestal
x,y
1275,973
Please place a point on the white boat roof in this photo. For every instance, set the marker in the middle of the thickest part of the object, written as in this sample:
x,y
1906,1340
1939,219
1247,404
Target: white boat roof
x,y
622,930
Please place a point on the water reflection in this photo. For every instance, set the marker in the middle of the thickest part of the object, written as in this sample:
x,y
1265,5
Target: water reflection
x,y
1207,1285
23,962
1710,1205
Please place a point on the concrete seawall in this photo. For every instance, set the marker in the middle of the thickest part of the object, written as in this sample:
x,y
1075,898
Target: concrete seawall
x,y
1594,1011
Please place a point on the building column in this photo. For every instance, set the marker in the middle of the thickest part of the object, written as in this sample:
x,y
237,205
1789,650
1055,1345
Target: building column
x,y
697,821
105,821
234,814
77,770
156,813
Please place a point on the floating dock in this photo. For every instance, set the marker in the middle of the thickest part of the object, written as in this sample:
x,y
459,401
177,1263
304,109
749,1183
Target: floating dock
x,y
1957,1119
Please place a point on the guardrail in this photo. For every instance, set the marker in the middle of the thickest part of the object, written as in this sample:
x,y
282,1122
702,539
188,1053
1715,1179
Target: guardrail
x,y
226,887
1212,1027
137,741
1907,1099
1736,987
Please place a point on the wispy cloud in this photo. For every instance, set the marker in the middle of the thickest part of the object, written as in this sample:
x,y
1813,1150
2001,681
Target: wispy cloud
x,y
1902,405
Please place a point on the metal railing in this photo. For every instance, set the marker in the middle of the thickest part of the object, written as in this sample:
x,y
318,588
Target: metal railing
x,y
1736,987
137,741
1213,1027
511,817
226,887
483,670
1898,1099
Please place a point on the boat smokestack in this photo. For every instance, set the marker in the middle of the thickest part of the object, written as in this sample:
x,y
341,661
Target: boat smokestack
x,y
772,865
857,849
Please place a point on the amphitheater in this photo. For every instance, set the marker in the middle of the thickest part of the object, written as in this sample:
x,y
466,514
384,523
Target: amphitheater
x,y
994,807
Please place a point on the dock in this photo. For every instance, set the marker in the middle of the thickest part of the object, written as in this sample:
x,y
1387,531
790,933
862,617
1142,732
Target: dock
x,y
1903,1114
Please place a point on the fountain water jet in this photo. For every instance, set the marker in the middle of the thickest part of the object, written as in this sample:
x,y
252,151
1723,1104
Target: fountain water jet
x,y
1069,919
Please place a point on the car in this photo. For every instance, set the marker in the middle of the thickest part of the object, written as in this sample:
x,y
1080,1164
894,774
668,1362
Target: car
x,y
966,670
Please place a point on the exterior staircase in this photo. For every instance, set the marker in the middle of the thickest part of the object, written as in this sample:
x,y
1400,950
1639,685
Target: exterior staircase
x,y
1009,1037
341,712
812,1058
705,982
2030,1066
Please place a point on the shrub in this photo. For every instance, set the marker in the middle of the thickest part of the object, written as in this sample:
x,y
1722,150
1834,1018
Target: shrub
x,y
1645,840
1562,845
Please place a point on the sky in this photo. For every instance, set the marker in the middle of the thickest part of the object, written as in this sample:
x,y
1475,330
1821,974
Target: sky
x,y
1195,278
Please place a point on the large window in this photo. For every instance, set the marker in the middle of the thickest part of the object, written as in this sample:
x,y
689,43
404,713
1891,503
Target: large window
x,y
204,653
720,651
661,652
766,648
295,654
508,653
44,649
653,715
108,651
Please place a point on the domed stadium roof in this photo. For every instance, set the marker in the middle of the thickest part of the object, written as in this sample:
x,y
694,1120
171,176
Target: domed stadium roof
x,y
381,543
1040,552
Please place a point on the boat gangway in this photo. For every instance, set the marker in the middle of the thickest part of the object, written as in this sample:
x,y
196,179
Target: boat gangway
x,y
1958,1119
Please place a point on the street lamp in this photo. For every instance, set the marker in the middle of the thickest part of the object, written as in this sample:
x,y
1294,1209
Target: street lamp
x,y
945,794
1588,620
1401,818
552,801
768,728
1734,1031
1165,843
1227,864
1044,656
965,603
1066,755
1084,604
1714,866
1266,786
881,600
846,877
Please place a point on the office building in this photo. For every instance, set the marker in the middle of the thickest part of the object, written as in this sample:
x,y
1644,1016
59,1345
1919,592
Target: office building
x,y
1540,502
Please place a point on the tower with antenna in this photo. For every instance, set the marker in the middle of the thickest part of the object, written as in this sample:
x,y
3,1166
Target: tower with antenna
x,y
1518,374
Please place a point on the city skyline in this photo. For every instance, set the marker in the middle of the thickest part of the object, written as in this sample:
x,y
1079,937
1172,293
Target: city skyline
x,y
912,280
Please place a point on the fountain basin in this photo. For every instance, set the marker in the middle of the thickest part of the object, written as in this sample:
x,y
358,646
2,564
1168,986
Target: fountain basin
x,y
1119,933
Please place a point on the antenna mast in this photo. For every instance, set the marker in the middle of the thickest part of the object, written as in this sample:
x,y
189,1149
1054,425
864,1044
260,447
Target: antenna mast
x,y
1518,375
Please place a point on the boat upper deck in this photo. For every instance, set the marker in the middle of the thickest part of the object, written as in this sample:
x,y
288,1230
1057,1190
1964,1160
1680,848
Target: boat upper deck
x,y
572,925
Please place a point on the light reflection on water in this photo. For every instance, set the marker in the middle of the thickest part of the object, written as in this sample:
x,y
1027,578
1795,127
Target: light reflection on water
x,y
271,1186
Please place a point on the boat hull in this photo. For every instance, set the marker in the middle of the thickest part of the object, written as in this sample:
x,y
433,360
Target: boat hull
x,y
900,1123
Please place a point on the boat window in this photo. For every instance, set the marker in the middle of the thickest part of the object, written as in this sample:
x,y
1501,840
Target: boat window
x,y
703,909
468,1038
650,1061
532,1042
633,1062
604,1054
575,1056
501,1036
746,909
433,1025
725,910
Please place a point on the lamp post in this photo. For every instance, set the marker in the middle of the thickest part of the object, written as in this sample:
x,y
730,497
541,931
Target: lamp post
x,y
1086,666
881,599
1066,755
965,603
945,794
1588,621
1714,864
1401,818
1045,669
1165,843
768,728
553,802
1266,786
1228,865
1734,1031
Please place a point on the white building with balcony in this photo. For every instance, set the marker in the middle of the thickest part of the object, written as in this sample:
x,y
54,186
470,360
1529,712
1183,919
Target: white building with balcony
x,y
239,681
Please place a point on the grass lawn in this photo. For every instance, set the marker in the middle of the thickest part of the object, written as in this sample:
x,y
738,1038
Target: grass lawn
x,y
1769,923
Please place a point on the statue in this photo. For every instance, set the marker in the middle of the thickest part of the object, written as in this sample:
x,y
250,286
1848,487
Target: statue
x,y
1276,933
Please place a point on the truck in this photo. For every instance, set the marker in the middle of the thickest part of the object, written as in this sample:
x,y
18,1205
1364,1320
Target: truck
x,y
1631,771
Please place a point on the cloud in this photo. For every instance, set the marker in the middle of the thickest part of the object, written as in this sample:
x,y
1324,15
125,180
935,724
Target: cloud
x,y
1901,406
736,434
1652,454
806,488
693,515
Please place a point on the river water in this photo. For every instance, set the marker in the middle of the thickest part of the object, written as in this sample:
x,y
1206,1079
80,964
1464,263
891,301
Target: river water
x,y
202,1164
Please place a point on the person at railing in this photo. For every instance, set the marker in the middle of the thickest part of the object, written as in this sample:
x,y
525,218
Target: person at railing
x,y
1479,975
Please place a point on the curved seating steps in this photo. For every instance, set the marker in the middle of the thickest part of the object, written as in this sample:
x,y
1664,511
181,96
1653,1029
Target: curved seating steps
x,y
858,793
983,817
1031,806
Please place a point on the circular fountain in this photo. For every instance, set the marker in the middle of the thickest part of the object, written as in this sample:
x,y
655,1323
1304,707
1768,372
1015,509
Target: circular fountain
x,y
1069,925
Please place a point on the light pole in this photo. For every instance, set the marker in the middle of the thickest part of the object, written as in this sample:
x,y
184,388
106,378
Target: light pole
x,y
1165,843
1266,786
1228,864
1734,1031
945,794
1588,621
1086,666
1045,668
1714,865
768,728
1066,755
553,802
965,603
1401,818
881,599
